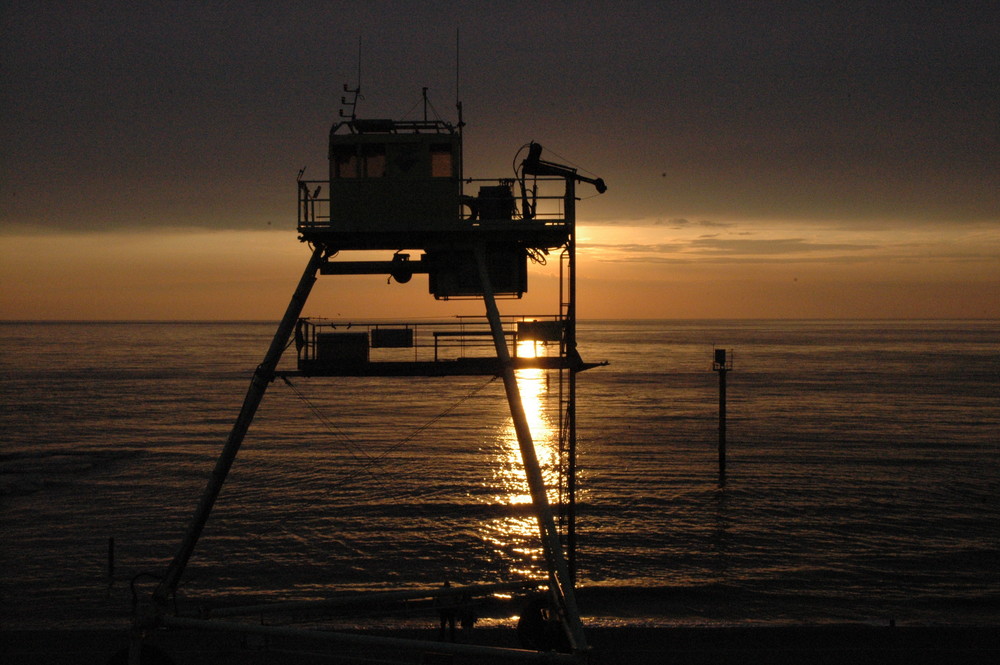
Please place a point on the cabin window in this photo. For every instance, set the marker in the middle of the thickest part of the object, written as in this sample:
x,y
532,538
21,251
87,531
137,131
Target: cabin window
x,y
374,156
345,162
407,160
441,161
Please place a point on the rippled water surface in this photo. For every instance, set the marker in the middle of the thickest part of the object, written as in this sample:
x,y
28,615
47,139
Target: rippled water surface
x,y
862,486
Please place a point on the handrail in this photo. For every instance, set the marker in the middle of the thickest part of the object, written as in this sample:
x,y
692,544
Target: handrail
x,y
426,341
312,208
315,209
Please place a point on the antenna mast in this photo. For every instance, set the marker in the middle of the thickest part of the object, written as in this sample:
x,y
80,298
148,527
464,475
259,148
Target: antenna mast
x,y
458,106
356,91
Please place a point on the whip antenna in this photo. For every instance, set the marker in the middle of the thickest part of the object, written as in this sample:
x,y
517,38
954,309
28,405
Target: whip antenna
x,y
356,91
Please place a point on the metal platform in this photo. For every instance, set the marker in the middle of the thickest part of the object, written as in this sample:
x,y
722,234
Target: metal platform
x,y
533,235
458,347
461,367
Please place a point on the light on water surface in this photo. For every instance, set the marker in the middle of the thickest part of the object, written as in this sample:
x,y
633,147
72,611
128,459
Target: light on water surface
x,y
862,472
515,534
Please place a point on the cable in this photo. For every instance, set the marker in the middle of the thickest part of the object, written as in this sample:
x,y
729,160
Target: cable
x,y
399,444
569,162
369,460
353,448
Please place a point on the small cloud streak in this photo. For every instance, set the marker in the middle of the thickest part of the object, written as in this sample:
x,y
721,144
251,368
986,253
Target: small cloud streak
x,y
772,246
755,243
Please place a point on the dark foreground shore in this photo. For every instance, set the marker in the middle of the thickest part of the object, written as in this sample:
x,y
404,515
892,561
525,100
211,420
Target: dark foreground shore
x,y
857,645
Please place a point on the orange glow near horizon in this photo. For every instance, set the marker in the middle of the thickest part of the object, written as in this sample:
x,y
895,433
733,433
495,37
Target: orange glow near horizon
x,y
527,349
651,271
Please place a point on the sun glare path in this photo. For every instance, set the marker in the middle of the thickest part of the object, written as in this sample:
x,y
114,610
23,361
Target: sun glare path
x,y
514,534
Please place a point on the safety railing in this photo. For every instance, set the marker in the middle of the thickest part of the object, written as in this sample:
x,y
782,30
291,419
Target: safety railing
x,y
314,208
336,345
539,202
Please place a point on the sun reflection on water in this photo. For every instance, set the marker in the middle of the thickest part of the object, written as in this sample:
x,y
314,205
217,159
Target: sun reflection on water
x,y
514,532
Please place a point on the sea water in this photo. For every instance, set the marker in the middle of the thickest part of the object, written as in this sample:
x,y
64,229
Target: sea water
x,y
861,486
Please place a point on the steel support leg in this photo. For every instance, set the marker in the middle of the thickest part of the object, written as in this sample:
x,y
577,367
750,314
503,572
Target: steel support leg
x,y
262,377
559,578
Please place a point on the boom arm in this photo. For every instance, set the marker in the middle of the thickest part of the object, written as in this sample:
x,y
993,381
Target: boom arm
x,y
534,165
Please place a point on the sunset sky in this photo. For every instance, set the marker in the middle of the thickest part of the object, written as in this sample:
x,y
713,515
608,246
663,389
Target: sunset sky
x,y
764,160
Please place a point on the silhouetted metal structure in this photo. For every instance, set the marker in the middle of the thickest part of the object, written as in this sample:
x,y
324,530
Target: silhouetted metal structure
x,y
722,364
397,185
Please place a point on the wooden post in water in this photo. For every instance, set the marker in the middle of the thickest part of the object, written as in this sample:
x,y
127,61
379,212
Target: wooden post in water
x,y
722,365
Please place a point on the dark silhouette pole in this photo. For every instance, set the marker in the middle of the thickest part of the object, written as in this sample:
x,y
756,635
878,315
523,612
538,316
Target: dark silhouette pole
x,y
722,366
